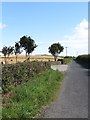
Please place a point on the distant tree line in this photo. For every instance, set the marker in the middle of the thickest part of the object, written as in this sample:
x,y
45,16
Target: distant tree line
x,y
28,45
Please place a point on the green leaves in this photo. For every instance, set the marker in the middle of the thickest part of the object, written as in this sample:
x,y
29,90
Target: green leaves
x,y
55,49
28,44
17,48
6,51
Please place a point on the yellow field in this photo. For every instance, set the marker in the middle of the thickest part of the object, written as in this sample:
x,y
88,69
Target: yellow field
x,y
22,58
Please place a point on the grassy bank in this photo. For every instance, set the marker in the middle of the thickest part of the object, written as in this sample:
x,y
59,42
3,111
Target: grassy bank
x,y
28,98
67,60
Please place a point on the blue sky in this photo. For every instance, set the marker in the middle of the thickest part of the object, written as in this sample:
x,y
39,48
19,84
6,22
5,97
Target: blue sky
x,y
46,23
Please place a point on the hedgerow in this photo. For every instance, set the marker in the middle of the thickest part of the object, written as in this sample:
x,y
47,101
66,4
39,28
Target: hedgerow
x,y
15,74
84,60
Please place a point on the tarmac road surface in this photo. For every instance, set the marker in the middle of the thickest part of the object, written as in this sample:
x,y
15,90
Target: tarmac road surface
x,y
72,98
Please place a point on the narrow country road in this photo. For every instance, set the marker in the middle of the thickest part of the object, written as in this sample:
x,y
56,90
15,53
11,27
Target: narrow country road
x,y
72,98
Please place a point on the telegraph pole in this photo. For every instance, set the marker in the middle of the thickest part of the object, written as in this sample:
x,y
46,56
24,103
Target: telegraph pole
x,y
66,50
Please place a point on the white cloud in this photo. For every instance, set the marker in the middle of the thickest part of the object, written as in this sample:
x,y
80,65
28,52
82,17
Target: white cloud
x,y
2,25
78,40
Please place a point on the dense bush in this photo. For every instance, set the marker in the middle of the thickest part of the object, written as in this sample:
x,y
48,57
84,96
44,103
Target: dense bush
x,y
15,74
67,60
84,60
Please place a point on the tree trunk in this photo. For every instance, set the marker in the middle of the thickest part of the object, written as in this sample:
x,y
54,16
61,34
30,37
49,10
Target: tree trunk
x,y
16,58
8,58
26,56
5,59
28,59
55,58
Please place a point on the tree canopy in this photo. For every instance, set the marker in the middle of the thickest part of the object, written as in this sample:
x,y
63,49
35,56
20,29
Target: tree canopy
x,y
7,51
55,49
28,44
17,49
10,50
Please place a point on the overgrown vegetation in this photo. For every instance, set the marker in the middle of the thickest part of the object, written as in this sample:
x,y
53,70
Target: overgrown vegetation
x,y
84,60
14,74
28,98
67,60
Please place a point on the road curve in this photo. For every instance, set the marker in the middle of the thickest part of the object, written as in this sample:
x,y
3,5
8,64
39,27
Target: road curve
x,y
72,99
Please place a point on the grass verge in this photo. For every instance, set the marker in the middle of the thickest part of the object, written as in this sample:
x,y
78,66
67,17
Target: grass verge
x,y
30,97
67,60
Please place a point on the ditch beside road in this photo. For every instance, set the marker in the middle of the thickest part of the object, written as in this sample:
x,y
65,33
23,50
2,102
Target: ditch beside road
x,y
72,98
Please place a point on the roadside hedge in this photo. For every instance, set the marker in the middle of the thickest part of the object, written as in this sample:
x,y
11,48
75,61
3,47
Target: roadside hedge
x,y
14,74
84,60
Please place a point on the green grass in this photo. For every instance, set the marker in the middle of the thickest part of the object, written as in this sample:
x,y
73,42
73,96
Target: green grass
x,y
29,98
67,60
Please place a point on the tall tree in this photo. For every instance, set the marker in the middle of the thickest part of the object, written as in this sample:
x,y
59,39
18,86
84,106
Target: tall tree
x,y
10,50
17,49
28,44
4,52
23,43
55,49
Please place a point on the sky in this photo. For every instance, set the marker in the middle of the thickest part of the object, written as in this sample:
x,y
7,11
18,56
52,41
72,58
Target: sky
x,y
46,23
45,0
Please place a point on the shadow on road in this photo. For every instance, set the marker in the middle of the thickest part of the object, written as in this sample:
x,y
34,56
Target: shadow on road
x,y
86,67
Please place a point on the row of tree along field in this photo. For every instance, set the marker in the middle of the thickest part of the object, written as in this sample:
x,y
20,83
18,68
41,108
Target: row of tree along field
x,y
28,45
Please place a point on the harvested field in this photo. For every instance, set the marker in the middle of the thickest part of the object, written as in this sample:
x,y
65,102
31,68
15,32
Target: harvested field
x,y
22,58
